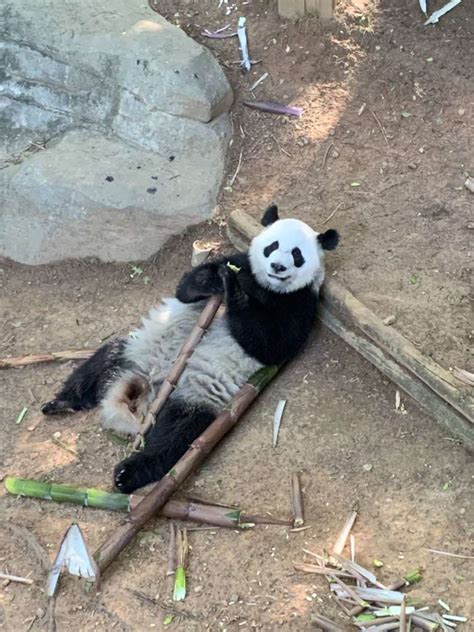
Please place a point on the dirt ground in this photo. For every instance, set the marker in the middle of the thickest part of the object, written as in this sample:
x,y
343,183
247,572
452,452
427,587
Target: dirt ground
x,y
405,252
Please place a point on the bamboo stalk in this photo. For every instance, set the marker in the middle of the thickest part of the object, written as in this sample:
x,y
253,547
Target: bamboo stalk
x,y
325,624
298,515
172,561
196,454
319,570
169,383
338,547
218,516
25,360
446,399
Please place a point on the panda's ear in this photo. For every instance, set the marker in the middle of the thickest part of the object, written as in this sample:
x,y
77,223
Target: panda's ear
x,y
270,216
329,239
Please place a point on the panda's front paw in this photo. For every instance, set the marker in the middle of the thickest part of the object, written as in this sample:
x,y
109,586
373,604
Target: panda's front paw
x,y
132,473
223,271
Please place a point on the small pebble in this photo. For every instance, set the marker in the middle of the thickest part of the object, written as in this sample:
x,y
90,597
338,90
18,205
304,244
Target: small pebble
x,y
389,320
368,467
109,178
57,435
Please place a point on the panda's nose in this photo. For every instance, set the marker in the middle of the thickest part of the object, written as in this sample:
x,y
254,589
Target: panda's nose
x,y
277,267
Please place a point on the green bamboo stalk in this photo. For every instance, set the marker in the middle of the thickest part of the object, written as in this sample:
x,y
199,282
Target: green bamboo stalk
x,y
188,509
87,497
182,550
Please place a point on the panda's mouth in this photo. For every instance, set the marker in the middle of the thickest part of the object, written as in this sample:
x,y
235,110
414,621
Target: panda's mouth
x,y
278,278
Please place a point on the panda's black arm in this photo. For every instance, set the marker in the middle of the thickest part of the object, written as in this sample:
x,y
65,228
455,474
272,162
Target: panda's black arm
x,y
273,331
204,280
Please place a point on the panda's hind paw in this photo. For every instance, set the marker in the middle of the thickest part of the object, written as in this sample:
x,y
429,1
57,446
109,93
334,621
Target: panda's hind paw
x,y
133,473
58,407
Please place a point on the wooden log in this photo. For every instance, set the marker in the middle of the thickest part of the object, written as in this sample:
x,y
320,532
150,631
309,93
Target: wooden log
x,y
325,9
298,8
439,392
291,8
350,309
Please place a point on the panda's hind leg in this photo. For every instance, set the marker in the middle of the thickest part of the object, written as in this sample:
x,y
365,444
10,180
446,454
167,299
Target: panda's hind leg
x,y
176,427
83,389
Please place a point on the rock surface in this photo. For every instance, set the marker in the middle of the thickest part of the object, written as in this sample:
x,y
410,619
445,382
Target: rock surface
x,y
117,129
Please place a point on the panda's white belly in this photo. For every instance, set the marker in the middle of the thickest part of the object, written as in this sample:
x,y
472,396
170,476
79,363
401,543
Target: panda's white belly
x,y
217,368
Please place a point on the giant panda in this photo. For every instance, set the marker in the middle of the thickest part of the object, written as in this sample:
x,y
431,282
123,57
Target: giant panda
x,y
270,296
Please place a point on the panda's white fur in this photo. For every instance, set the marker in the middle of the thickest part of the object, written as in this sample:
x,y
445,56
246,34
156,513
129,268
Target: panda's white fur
x,y
290,234
214,373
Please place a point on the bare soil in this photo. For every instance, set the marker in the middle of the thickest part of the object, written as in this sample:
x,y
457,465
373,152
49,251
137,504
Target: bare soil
x,y
405,252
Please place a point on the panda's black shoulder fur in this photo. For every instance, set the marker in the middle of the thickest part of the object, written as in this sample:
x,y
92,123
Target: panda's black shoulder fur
x,y
270,326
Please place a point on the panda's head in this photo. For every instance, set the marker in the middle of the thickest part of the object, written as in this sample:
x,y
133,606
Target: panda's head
x,y
288,255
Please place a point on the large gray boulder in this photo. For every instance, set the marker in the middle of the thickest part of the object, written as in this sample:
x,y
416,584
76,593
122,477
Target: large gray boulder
x,y
116,129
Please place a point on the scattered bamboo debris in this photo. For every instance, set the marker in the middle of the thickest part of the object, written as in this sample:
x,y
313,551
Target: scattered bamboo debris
x,y
172,557
375,607
466,377
454,617
258,82
56,439
297,498
199,512
459,555
319,570
326,154
331,215
340,544
169,383
73,555
433,387
325,624
22,415
16,579
236,172
182,551
436,15
25,360
277,420
196,454
381,127
274,108
243,44
469,184
423,7
219,34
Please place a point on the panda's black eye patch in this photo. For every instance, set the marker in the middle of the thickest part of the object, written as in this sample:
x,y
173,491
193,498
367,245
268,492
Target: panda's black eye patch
x,y
297,257
267,251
